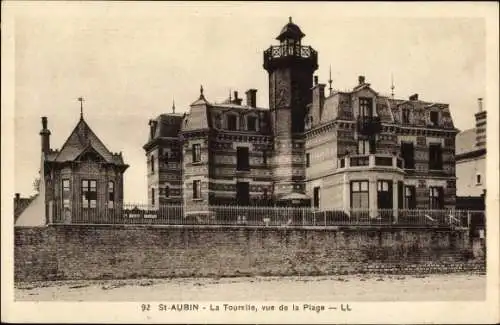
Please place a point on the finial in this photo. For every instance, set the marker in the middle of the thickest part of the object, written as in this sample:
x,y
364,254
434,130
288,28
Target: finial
x,y
330,79
201,90
290,19
173,106
81,100
392,86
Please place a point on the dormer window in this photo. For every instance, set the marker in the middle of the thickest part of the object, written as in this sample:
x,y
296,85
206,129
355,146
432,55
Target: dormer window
x,y
365,107
232,122
434,118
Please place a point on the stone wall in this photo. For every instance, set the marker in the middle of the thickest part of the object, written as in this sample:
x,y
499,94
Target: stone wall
x,y
114,252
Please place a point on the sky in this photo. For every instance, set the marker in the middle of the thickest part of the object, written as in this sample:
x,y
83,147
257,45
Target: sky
x,y
131,60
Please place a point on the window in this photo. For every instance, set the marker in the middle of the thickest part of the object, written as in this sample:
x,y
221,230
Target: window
x,y
436,198
359,195
366,147
242,157
435,157
231,122
308,160
265,194
243,193
167,191
89,193
111,194
252,123
316,197
410,201
478,179
384,194
152,164
196,152
164,157
434,117
66,192
197,189
264,157
405,115
65,185
152,196
408,154
365,107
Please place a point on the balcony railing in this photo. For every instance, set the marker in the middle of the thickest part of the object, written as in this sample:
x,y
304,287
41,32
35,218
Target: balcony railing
x,y
370,161
279,51
369,125
253,216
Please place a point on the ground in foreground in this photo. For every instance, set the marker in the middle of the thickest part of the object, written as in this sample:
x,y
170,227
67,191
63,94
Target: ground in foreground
x,y
444,287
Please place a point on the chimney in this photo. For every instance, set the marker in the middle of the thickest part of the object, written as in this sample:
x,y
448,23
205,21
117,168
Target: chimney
x,y
361,80
251,97
318,97
45,136
480,125
414,97
236,100
17,199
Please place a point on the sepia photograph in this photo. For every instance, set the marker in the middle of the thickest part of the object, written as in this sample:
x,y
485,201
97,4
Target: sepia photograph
x,y
250,162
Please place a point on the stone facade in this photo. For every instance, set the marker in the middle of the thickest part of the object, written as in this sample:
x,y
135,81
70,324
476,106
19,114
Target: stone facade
x,y
309,148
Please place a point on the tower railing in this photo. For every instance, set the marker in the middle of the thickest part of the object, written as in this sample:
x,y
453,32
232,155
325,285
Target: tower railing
x,y
278,51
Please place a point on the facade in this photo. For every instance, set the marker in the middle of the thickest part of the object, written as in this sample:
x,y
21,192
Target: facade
x,y
471,157
341,150
82,181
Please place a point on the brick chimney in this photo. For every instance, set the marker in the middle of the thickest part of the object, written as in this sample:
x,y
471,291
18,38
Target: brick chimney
x,y
318,96
251,95
17,199
236,100
414,97
361,80
45,136
480,125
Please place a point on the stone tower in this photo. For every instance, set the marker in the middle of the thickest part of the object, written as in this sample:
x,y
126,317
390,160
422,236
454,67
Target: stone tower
x,y
290,66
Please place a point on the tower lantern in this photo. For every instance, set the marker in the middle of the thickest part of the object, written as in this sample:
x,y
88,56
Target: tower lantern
x,y
290,66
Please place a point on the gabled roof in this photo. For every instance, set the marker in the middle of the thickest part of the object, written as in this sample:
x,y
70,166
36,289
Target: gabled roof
x,y
80,140
364,86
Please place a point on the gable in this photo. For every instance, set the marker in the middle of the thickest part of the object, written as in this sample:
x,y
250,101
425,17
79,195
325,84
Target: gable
x,y
364,91
90,154
81,138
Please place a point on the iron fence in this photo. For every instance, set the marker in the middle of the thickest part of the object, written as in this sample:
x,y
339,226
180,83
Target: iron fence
x,y
266,216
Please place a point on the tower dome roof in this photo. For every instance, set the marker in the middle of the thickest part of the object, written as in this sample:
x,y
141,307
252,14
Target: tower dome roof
x,y
290,30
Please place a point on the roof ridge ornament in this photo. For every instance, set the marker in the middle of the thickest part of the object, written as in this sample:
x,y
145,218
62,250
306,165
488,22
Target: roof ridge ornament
x,y
201,92
81,100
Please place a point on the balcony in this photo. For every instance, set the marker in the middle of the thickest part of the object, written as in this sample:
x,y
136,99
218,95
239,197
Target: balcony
x,y
369,125
371,161
306,53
